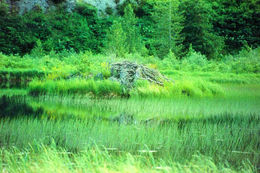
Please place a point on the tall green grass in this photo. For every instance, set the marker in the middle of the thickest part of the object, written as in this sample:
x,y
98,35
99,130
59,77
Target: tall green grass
x,y
194,88
75,133
84,87
50,159
191,88
226,140
215,77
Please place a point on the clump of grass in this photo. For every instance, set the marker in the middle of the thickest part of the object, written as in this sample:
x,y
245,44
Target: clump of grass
x,y
192,88
83,87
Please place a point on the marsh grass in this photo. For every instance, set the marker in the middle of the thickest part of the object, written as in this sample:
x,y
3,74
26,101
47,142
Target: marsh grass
x,y
190,88
215,77
50,159
233,141
107,88
223,129
80,87
192,134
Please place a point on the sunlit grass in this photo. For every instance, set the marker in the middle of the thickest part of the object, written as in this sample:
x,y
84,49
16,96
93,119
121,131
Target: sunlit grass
x,y
50,159
142,89
80,87
232,140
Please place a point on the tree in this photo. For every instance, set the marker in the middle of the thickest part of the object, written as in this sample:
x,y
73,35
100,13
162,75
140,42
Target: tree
x,y
168,26
238,22
198,28
116,39
133,37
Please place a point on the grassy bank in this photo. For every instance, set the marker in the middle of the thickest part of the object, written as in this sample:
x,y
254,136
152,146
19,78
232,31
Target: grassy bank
x,y
107,88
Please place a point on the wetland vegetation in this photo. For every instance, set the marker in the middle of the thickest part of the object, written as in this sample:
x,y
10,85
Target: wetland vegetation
x,y
61,111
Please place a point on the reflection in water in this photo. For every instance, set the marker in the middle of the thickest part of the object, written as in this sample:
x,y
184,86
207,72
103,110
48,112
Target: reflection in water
x,y
95,110
15,106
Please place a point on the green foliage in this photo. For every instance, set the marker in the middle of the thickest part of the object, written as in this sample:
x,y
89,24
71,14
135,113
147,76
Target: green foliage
x,y
124,36
237,22
12,37
116,40
38,50
166,36
17,78
195,59
133,38
243,68
70,32
98,25
198,28
150,26
245,62
86,10
207,120
121,7
57,30
4,8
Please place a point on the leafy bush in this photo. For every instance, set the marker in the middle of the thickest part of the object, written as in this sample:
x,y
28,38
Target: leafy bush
x,y
194,60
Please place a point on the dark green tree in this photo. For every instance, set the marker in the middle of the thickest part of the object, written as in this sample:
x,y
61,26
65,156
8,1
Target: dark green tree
x,y
167,28
238,21
70,32
198,28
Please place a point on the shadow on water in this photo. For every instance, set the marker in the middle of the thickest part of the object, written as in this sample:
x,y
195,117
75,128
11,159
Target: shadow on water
x,y
16,106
